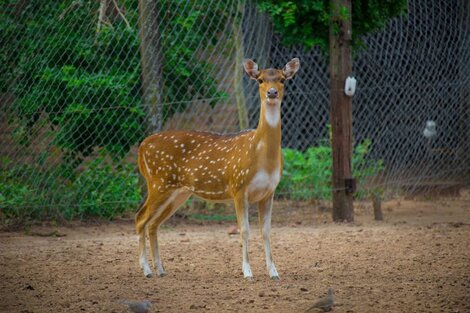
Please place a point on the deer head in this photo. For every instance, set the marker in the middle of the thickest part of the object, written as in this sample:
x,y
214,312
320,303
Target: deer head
x,y
271,81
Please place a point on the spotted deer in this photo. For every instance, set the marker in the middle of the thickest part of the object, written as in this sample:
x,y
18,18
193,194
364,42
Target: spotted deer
x,y
244,168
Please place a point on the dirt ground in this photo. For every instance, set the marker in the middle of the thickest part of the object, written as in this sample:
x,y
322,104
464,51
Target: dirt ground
x,y
417,260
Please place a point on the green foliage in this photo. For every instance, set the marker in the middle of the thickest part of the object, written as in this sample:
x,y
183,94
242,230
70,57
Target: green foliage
x,y
307,175
102,189
306,22
16,199
79,83
84,84
185,79
8,56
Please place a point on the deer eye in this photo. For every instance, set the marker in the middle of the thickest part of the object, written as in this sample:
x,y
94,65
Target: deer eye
x,y
282,80
260,81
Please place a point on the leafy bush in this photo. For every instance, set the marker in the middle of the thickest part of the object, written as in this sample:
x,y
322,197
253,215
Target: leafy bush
x,y
307,175
102,190
18,199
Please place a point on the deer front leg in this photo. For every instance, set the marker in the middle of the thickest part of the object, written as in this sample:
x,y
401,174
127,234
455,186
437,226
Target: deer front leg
x,y
241,207
264,210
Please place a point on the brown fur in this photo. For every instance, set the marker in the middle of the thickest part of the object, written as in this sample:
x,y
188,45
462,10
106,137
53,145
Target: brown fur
x,y
215,167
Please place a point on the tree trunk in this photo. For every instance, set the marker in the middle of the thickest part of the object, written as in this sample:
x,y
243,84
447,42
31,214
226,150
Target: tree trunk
x,y
239,52
341,110
151,62
104,4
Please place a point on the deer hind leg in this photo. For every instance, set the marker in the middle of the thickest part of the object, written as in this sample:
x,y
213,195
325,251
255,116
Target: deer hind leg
x,y
142,219
241,208
264,210
140,222
163,213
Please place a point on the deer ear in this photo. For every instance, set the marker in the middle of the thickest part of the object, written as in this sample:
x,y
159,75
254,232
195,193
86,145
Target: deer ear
x,y
291,68
251,68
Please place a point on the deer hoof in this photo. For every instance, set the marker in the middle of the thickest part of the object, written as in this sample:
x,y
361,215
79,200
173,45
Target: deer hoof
x,y
147,271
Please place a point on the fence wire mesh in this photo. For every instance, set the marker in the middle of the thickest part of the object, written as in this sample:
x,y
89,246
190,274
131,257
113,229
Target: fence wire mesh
x,y
83,82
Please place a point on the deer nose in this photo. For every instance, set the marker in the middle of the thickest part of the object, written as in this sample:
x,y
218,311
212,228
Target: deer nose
x,y
272,93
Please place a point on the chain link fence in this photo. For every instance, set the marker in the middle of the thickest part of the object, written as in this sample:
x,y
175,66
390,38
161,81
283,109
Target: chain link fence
x,y
83,82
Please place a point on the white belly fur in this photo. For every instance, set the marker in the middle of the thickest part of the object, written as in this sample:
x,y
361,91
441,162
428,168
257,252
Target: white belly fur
x,y
262,184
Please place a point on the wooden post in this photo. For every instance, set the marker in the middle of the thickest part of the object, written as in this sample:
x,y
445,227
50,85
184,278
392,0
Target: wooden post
x,y
377,205
238,77
341,110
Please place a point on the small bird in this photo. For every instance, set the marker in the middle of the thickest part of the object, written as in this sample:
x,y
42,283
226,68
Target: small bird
x,y
325,304
137,306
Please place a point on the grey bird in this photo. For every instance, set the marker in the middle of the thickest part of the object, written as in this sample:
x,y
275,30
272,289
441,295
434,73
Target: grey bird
x,y
325,304
137,306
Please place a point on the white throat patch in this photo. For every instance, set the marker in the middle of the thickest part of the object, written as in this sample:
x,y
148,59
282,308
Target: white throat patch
x,y
272,113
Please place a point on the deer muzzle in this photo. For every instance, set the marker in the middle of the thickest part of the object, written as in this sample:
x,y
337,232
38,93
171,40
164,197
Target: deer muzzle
x,y
272,93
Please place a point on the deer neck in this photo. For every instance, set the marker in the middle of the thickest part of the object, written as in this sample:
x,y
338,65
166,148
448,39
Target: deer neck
x,y
268,134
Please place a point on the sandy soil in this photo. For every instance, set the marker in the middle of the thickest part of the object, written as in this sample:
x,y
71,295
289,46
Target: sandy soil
x,y
417,260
